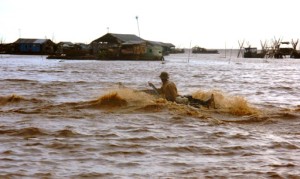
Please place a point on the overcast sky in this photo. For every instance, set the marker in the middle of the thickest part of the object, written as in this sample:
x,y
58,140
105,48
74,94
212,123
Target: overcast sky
x,y
206,23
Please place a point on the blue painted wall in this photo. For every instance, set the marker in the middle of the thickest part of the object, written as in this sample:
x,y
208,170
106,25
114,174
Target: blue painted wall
x,y
25,47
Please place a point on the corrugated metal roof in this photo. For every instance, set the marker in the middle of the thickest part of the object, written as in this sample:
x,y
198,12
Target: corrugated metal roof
x,y
128,37
32,41
132,42
154,42
40,41
169,44
161,43
123,38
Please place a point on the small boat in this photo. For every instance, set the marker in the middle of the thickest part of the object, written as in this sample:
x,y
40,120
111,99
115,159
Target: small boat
x,y
251,52
176,50
198,49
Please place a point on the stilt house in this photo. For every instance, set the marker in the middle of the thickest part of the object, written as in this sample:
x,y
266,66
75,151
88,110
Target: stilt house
x,y
126,47
34,46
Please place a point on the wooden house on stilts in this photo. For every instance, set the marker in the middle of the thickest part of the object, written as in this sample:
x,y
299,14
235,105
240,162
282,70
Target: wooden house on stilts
x,y
34,46
126,47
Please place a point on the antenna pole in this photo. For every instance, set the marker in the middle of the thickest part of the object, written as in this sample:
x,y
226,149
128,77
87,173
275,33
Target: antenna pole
x,y
137,21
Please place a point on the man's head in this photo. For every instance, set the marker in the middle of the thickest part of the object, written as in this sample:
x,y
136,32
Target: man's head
x,y
164,76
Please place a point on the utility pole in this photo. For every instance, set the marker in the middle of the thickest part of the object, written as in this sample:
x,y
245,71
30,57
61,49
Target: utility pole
x,y
137,20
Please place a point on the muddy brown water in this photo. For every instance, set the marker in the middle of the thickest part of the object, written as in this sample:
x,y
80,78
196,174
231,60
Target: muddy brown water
x,y
73,119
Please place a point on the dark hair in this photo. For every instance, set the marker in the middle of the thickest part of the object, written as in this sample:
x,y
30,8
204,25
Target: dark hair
x,y
164,75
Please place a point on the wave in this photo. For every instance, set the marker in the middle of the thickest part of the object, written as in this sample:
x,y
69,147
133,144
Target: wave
x,y
7,152
188,149
286,115
140,139
152,108
94,175
283,145
14,98
110,100
120,99
65,133
244,119
297,109
122,153
60,145
30,131
48,71
10,99
128,164
228,108
34,132
235,105
140,101
124,145
19,80
288,88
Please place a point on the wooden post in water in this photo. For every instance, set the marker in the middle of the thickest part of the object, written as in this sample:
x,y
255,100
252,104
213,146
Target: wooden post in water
x,y
189,52
225,49
241,48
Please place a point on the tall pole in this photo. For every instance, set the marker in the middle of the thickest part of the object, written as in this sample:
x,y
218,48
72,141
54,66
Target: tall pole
x,y
190,51
225,49
137,21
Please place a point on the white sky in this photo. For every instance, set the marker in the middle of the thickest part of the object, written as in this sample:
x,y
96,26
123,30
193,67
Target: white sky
x,y
207,23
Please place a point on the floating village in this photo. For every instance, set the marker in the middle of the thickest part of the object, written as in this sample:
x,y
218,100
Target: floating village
x,y
112,46
276,49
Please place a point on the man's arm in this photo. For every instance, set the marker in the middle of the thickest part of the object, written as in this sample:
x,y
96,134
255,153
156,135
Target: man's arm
x,y
157,91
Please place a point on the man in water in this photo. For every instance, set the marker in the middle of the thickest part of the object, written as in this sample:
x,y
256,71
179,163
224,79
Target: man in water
x,y
169,91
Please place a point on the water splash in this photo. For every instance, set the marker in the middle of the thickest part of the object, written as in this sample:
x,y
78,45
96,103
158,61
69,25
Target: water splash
x,y
10,99
235,105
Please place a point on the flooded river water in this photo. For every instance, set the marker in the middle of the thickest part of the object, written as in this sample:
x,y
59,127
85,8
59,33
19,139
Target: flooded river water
x,y
77,119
